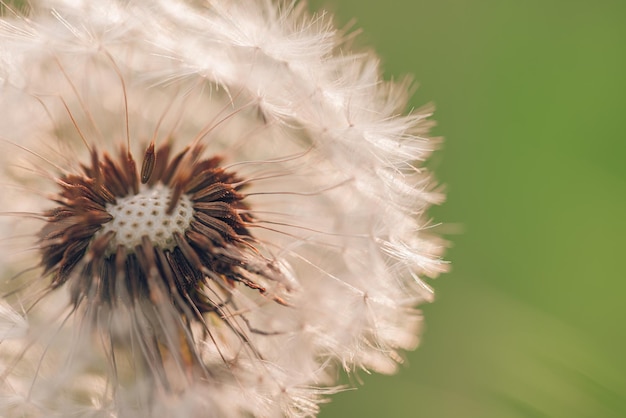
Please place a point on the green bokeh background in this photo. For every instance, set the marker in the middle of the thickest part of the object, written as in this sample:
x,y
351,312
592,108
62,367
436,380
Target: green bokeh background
x,y
531,322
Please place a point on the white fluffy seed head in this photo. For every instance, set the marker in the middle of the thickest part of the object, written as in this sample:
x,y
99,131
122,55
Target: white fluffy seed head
x,y
335,201
145,214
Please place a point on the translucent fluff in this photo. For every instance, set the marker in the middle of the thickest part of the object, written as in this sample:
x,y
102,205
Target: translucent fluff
x,y
306,244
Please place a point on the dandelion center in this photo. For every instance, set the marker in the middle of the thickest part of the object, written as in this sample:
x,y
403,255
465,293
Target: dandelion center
x,y
170,228
145,214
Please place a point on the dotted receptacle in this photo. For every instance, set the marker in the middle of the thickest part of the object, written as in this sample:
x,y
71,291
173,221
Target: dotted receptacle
x,y
144,214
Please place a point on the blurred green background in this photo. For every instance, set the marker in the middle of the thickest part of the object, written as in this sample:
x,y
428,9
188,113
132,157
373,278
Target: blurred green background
x,y
530,98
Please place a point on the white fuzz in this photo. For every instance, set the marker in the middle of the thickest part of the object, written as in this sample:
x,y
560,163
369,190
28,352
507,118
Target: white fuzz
x,y
319,264
12,324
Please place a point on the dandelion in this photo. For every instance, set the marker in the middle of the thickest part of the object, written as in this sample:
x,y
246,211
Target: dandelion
x,y
208,208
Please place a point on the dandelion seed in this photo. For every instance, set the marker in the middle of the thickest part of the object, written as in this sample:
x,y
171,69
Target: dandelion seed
x,y
207,210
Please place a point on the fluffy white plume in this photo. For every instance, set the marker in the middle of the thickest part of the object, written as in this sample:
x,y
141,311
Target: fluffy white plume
x,y
327,248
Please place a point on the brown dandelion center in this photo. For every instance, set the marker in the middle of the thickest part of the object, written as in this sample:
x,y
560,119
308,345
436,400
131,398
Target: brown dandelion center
x,y
122,234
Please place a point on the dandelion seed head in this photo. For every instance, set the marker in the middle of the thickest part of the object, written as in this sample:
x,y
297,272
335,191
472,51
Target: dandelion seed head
x,y
208,209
